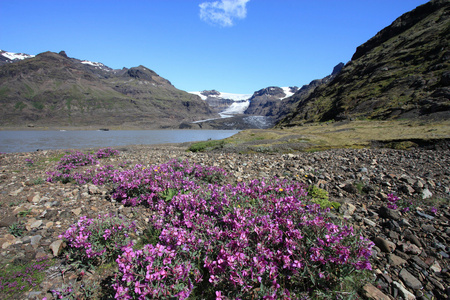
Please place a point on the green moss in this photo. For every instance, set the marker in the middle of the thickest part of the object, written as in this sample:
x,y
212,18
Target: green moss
x,y
20,105
320,196
4,90
38,105
29,91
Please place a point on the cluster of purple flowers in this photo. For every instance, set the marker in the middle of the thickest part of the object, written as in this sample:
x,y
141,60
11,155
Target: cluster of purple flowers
x,y
106,152
263,239
23,279
77,159
93,241
155,272
392,201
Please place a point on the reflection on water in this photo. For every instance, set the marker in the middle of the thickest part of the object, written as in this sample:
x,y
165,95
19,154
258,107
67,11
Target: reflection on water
x,y
27,141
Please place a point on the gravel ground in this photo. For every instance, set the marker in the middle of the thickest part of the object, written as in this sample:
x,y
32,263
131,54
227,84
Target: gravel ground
x,y
411,257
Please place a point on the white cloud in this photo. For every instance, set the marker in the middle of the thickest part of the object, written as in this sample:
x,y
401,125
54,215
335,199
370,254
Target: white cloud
x,y
223,12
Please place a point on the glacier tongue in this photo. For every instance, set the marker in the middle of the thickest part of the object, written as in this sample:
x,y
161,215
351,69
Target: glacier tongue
x,y
236,108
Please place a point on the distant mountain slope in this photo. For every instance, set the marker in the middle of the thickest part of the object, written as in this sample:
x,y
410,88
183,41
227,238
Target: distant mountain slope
x,y
402,72
276,102
52,89
267,101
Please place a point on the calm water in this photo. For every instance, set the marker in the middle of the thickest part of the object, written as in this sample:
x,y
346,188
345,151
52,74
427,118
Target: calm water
x,y
28,141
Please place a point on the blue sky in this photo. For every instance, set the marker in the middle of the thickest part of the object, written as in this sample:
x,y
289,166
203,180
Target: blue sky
x,y
235,46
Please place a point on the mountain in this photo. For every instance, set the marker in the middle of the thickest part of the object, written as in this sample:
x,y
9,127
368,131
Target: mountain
x,y
276,102
52,89
402,72
266,102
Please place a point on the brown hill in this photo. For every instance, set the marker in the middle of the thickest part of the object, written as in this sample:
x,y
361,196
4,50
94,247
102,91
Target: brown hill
x,y
54,90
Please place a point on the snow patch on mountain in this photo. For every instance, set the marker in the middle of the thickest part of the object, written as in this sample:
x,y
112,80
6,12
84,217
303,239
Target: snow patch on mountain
x,y
287,91
95,64
15,56
231,96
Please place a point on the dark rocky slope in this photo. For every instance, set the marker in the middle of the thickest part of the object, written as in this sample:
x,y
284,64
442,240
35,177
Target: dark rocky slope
x,y
402,72
272,101
266,102
54,90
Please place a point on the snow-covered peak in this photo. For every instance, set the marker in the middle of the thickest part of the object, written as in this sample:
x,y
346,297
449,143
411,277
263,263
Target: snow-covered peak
x,y
96,65
15,56
230,96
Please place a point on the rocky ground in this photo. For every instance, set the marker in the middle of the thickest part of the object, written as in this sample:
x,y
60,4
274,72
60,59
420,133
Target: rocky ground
x,y
410,259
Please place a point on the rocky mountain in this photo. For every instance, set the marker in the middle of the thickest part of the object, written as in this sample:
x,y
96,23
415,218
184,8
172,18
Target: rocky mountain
x,y
402,72
266,102
52,89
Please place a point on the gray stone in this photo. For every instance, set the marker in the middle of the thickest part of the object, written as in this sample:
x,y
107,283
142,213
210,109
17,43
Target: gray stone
x,y
369,222
384,245
428,228
8,221
35,224
407,295
409,280
387,213
435,267
417,260
16,192
395,260
406,188
363,170
373,293
418,186
76,211
411,249
35,241
426,194
93,190
350,188
425,215
409,236
347,209
57,247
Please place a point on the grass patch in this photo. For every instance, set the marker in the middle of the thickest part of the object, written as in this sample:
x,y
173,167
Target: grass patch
x,y
207,146
355,134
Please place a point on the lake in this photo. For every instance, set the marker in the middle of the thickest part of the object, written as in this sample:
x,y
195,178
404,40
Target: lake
x,y
32,140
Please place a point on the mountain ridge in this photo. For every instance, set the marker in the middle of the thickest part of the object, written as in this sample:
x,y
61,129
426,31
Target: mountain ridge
x,y
52,89
402,72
